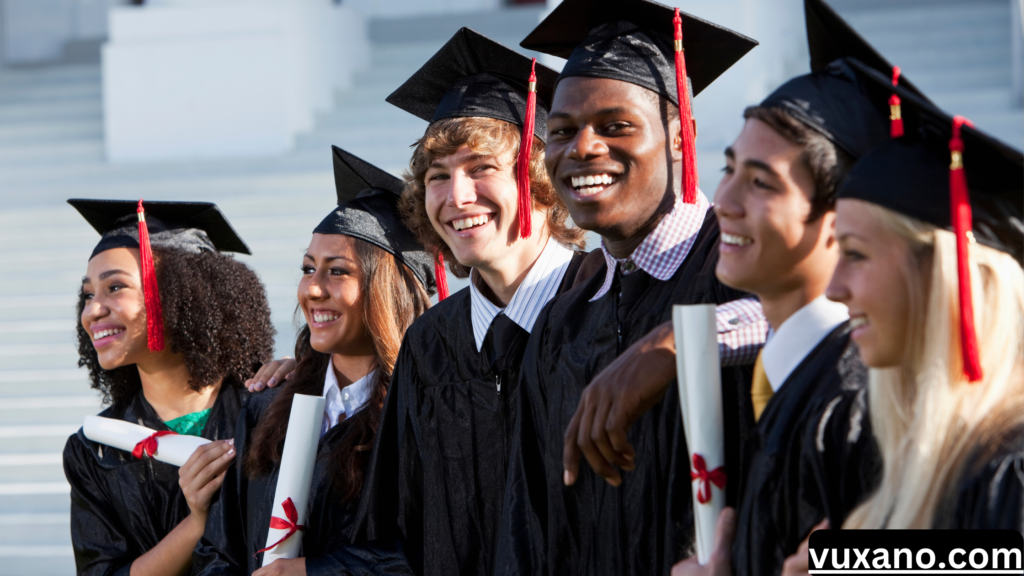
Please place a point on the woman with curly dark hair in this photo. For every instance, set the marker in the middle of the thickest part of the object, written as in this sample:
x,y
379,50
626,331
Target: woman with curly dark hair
x,y
365,279
169,329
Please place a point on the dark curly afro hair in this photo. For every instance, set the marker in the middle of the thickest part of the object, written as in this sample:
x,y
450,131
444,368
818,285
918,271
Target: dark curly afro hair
x,y
215,313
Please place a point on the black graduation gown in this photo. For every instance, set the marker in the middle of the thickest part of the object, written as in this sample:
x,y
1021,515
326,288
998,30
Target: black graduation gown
x,y
121,506
239,519
990,494
813,457
437,472
646,525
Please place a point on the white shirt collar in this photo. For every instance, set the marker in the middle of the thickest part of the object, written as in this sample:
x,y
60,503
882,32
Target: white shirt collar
x,y
345,401
798,336
538,288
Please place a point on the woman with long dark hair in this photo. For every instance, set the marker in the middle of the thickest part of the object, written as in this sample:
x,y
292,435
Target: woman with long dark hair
x,y
364,280
170,328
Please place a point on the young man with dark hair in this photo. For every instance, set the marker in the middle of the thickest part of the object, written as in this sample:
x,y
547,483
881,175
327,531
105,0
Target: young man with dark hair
x,y
615,155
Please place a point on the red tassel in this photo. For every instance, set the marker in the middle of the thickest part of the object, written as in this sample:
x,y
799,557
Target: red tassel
x,y
960,211
150,291
685,118
440,277
523,163
895,112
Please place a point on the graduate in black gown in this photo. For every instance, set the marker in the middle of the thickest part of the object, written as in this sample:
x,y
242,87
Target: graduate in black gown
x,y
946,389
181,373
437,473
615,119
365,279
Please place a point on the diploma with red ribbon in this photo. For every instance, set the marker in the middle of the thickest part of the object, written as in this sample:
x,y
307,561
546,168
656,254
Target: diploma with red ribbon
x,y
700,394
142,442
284,538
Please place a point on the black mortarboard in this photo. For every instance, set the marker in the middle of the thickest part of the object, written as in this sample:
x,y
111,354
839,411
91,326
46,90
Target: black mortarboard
x,y
368,210
945,172
191,226
832,99
474,76
912,174
633,41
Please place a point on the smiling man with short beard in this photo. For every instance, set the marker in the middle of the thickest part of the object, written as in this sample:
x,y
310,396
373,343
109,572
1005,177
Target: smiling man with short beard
x,y
615,155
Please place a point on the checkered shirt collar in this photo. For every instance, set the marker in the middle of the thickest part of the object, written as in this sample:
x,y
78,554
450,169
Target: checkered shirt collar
x,y
665,248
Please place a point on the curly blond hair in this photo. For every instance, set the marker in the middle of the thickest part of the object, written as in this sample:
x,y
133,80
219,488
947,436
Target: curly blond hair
x,y
489,137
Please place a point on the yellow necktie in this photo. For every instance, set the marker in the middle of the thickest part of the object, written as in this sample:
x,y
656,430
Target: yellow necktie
x,y
760,389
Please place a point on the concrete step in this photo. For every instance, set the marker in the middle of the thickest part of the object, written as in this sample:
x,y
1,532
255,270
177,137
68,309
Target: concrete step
x,y
79,129
36,560
31,468
52,93
37,529
35,497
13,77
35,438
32,112
45,410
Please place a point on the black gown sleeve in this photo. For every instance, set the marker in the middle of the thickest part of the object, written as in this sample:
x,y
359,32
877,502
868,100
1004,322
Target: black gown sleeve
x,y
224,546
218,551
96,532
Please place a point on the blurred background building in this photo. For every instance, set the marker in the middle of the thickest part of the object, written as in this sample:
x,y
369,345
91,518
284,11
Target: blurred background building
x,y
237,102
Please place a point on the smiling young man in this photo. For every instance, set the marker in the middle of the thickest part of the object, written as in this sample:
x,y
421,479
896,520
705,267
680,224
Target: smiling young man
x,y
775,207
615,156
437,472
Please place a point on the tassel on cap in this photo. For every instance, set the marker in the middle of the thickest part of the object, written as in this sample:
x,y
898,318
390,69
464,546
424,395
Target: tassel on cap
x,y
895,112
960,212
440,277
523,162
150,291
685,118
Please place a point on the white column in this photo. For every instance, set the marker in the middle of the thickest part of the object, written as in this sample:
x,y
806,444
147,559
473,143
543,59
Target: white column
x,y
219,78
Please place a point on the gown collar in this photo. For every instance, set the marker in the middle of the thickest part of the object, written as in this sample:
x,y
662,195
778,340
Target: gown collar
x,y
798,336
538,288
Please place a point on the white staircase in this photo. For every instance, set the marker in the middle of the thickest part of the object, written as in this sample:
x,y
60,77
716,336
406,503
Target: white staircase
x,y
51,149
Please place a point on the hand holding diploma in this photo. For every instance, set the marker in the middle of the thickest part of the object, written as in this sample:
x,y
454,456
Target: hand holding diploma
x,y
700,393
284,539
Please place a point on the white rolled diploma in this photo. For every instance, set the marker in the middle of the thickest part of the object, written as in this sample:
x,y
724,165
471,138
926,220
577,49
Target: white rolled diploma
x,y
296,473
174,449
700,394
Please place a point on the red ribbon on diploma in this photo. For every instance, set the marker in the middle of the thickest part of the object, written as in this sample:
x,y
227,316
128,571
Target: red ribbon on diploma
x,y
149,445
700,472
291,524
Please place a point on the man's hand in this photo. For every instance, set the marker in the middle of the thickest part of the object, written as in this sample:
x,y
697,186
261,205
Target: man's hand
x,y
620,394
283,567
202,475
271,374
798,563
720,563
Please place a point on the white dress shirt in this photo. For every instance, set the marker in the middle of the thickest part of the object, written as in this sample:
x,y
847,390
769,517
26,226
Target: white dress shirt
x,y
798,336
538,288
345,401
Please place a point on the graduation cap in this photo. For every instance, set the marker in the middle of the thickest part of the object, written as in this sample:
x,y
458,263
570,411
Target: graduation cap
x,y
368,210
190,226
474,76
832,99
951,175
643,43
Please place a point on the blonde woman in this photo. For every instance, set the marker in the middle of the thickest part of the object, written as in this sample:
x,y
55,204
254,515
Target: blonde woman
x,y
947,414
